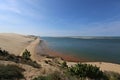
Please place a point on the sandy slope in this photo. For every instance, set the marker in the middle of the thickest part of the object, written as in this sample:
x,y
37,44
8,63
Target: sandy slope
x,y
14,43
32,48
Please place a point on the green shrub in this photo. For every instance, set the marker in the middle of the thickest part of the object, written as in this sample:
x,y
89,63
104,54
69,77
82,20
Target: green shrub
x,y
10,72
26,54
3,52
24,59
64,65
86,71
11,57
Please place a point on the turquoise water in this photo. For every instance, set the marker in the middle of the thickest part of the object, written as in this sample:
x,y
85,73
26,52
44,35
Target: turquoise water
x,y
100,49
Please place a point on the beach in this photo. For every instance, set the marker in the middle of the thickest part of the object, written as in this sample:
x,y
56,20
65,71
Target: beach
x,y
93,49
16,44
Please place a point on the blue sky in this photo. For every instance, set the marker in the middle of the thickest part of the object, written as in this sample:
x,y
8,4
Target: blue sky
x,y
61,17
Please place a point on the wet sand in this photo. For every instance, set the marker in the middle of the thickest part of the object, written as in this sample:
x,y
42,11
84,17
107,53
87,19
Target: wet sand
x,y
67,57
44,49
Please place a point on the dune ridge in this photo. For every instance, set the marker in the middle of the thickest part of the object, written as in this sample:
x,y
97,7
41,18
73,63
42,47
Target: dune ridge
x,y
14,43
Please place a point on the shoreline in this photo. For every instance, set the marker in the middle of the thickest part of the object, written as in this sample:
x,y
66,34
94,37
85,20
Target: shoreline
x,y
43,48
104,66
72,60
65,57
37,47
75,59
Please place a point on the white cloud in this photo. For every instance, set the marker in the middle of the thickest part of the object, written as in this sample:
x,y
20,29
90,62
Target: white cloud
x,y
10,5
15,11
18,7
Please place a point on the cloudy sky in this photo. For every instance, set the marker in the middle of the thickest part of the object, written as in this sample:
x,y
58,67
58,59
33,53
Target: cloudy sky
x,y
60,17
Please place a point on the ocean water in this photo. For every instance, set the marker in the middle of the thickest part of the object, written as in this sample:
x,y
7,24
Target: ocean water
x,y
93,49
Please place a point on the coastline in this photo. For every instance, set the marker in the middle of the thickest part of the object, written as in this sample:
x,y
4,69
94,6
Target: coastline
x,y
72,60
44,49
65,57
38,47
104,66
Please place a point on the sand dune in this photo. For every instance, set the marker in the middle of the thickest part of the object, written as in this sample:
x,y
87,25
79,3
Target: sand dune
x,y
15,43
32,48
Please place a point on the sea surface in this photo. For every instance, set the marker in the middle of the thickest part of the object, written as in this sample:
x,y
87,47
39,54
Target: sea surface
x,y
91,48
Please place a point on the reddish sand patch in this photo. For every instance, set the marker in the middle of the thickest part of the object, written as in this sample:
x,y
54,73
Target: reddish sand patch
x,y
67,57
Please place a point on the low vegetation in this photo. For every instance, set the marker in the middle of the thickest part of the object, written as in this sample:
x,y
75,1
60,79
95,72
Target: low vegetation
x,y
24,59
54,76
112,75
84,71
11,72
26,54
76,72
64,65
80,72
